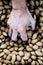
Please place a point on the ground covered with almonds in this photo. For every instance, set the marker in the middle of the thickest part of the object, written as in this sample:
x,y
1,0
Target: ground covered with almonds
x,y
29,52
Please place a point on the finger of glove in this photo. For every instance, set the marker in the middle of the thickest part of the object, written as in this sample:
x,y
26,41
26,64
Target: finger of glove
x,y
32,21
14,35
10,32
23,34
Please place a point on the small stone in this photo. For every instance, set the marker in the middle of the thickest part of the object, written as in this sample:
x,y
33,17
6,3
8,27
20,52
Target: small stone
x,y
4,57
13,57
42,50
37,11
3,17
37,63
38,53
6,6
16,63
15,52
33,63
0,41
35,47
8,11
1,36
33,57
8,16
6,51
11,49
34,16
3,46
4,64
21,53
29,40
5,2
32,3
25,57
37,3
22,62
28,48
41,19
19,41
41,13
29,60
27,54
1,3
7,62
40,9
0,12
41,2
0,63
15,45
34,36
29,34
11,43
33,53
40,62
6,30
4,34
42,34
42,40
0,33
15,48
0,50
4,11
39,43
42,28
7,43
3,40
34,41
8,57
40,58
1,54
8,47
39,49
1,8
0,59
21,48
30,45
2,28
41,24
18,58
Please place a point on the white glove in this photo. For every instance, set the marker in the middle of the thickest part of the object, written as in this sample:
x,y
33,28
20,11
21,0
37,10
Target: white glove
x,y
18,21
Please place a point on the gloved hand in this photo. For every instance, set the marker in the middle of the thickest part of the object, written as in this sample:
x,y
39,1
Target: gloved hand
x,y
18,21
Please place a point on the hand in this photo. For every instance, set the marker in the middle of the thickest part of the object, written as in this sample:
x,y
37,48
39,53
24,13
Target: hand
x,y
18,22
